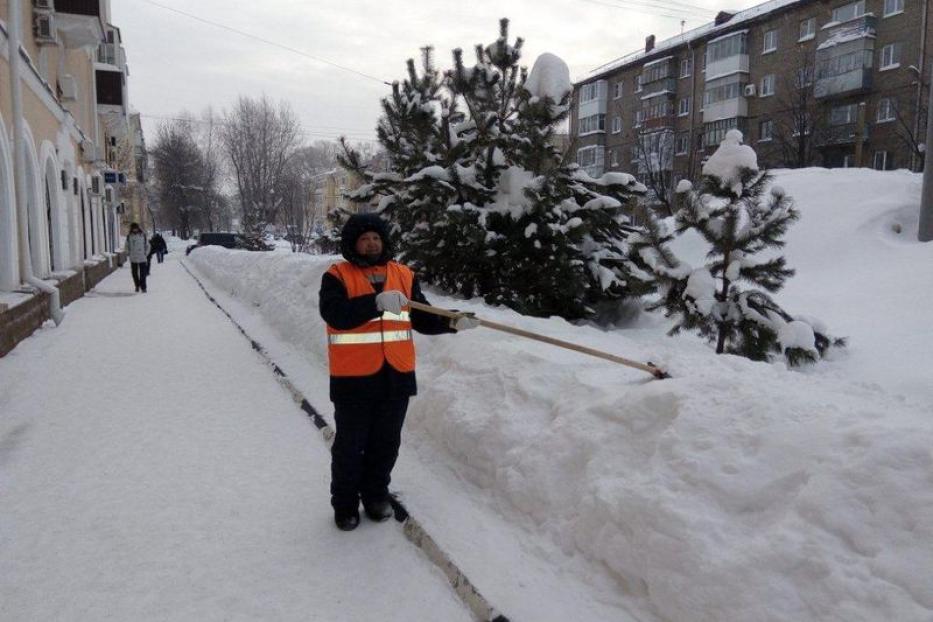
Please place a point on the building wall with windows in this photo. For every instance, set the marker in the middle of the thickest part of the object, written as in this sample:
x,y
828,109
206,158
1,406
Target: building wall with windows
x,y
73,173
812,82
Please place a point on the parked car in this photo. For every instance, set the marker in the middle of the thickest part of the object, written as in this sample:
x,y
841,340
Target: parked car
x,y
230,240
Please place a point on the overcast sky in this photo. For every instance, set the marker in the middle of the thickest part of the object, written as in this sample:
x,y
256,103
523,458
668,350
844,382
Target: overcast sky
x,y
178,63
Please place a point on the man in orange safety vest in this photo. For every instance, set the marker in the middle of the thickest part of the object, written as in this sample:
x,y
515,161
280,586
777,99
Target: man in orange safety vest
x,y
364,301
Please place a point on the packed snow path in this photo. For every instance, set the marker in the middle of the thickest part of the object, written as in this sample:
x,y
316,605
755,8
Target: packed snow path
x,y
152,468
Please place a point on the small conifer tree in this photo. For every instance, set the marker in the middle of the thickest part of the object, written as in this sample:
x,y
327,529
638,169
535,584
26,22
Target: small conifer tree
x,y
728,300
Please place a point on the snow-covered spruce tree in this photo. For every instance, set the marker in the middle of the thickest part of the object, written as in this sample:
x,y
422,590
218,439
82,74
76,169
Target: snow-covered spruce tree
x,y
738,220
494,211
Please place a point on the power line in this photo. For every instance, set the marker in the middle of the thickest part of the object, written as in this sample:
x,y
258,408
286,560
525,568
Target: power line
x,y
266,41
650,10
676,5
354,135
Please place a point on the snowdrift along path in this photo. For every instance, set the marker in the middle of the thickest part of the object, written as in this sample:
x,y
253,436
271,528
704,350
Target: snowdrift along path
x,y
734,491
151,468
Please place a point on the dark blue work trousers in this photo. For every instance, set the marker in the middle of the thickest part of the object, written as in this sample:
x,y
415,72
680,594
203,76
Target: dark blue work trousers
x,y
365,448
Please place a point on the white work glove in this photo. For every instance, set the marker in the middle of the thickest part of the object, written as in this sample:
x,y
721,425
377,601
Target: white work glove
x,y
391,301
464,322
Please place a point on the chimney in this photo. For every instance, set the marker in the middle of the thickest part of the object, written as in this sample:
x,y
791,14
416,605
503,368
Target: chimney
x,y
649,43
723,16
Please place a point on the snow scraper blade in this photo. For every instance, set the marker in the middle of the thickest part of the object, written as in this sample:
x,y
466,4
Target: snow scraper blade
x,y
649,367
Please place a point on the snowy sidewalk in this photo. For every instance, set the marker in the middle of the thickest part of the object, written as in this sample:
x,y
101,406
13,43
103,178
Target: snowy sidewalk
x,y
152,468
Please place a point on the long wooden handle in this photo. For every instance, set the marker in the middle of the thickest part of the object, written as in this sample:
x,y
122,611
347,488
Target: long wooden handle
x,y
657,372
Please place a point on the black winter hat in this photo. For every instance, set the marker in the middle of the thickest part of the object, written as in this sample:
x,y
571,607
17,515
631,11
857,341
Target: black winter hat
x,y
357,225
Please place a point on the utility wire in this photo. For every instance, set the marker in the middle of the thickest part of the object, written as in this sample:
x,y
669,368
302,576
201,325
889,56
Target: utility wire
x,y
675,5
353,135
266,41
647,10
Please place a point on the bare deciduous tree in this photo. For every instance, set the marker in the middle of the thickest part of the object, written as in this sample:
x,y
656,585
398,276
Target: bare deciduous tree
x,y
798,122
654,154
179,174
259,139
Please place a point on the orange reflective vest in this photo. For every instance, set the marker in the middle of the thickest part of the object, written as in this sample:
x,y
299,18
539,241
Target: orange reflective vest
x,y
362,351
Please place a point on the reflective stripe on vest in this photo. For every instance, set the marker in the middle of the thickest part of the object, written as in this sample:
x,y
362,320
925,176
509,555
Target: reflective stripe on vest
x,y
362,351
381,337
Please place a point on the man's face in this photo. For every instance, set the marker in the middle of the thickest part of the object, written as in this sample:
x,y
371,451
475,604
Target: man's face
x,y
369,245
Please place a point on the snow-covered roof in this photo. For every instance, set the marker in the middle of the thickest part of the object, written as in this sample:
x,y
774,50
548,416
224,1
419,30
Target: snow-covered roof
x,y
691,35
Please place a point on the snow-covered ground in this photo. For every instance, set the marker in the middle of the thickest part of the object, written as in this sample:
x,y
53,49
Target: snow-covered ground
x,y
151,468
733,491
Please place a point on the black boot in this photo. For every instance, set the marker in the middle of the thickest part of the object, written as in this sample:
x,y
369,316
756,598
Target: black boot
x,y
378,510
347,521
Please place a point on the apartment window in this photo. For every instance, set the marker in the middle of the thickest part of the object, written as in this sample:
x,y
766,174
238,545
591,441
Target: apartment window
x,y
843,115
722,90
766,130
589,92
726,48
804,77
656,108
770,42
683,107
616,125
682,143
590,157
839,65
849,11
767,85
686,68
592,123
885,110
893,7
807,29
890,56
639,118
638,84
618,90
656,71
613,157
715,132
883,161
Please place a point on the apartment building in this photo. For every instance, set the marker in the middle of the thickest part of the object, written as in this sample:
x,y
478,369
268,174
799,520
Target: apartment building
x,y
63,97
832,83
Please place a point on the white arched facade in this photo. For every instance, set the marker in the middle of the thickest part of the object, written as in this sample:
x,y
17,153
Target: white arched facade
x,y
84,218
35,207
9,244
51,200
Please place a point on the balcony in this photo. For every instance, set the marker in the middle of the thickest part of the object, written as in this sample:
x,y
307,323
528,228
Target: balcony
x,y
79,23
839,135
665,86
657,123
109,88
844,58
725,109
858,80
112,54
593,99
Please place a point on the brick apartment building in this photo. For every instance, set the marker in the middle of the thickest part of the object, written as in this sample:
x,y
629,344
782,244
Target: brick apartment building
x,y
832,83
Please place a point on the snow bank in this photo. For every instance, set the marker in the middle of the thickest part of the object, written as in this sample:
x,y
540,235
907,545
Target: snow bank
x,y
733,491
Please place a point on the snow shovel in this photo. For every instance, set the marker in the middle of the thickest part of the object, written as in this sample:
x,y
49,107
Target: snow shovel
x,y
652,369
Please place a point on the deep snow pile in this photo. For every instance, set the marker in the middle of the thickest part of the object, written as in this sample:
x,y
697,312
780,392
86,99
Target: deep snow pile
x,y
733,491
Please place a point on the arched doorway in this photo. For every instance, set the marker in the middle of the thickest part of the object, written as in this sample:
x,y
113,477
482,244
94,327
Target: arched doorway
x,y
51,195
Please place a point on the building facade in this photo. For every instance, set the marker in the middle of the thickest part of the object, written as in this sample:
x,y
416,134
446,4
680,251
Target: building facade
x,y
832,83
64,99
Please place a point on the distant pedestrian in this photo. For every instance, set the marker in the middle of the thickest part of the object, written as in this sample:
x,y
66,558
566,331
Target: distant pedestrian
x,y
157,247
137,247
